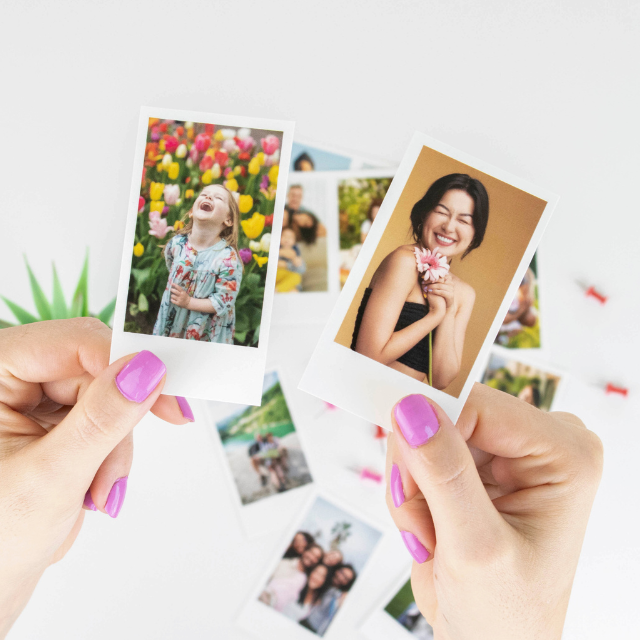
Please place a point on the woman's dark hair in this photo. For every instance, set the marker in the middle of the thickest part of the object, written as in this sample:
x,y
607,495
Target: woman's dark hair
x,y
297,164
320,591
349,584
376,202
535,394
291,551
430,200
307,234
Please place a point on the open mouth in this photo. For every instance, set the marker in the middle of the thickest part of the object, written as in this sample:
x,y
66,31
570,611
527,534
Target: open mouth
x,y
443,240
206,206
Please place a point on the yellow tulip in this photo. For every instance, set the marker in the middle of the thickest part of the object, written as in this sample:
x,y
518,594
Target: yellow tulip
x,y
153,122
174,170
232,184
156,190
211,152
177,225
156,205
190,133
219,136
188,194
254,226
254,166
260,156
260,260
161,144
245,203
159,167
138,250
181,151
167,160
216,171
273,174
206,177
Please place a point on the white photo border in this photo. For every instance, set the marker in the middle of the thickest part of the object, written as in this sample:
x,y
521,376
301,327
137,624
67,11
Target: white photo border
x,y
204,370
356,158
333,367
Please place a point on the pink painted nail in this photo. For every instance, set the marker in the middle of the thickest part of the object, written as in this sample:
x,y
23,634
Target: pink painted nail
x,y
88,501
415,547
116,497
140,376
417,419
395,483
185,408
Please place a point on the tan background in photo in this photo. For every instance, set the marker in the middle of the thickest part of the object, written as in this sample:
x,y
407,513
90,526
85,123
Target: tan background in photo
x,y
489,269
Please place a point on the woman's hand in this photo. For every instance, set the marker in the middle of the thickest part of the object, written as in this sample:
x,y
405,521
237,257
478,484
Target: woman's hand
x,y
443,288
493,511
437,305
66,418
179,296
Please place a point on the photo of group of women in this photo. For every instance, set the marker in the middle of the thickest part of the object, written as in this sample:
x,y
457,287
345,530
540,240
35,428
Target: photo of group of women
x,y
526,381
262,447
320,566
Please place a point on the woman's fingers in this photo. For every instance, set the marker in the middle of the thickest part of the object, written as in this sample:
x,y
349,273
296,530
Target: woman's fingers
x,y
439,460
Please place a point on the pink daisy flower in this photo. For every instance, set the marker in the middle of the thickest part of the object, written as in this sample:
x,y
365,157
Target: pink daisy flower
x,y
431,264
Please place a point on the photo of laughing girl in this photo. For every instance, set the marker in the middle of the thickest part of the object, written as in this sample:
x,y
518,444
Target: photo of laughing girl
x,y
396,316
205,271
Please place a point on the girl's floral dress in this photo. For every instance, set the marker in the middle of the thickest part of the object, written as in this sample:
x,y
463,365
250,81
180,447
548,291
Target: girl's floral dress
x,y
214,273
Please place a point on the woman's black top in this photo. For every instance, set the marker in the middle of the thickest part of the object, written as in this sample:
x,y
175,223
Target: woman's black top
x,y
418,356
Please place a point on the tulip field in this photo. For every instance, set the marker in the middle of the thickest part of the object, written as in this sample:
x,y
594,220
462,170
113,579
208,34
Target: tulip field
x,y
180,159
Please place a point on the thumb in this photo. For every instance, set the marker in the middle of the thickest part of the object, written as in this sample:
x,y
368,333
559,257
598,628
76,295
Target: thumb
x,y
115,401
438,459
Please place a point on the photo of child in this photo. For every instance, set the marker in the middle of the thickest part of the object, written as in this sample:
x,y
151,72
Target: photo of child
x,y
525,381
262,447
320,566
521,326
203,230
403,609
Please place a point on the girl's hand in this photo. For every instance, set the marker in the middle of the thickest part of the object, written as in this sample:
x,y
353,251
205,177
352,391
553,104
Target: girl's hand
x,y
437,304
179,296
493,510
66,418
443,288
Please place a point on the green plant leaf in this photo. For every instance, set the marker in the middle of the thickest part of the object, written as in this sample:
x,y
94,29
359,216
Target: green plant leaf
x,y
5,325
107,313
80,303
59,306
23,317
143,303
240,336
40,300
140,275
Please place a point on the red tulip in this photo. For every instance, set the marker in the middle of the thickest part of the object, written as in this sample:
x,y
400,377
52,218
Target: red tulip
x,y
179,131
206,163
268,221
144,175
163,127
244,156
141,204
202,142
208,128
222,157
243,171
170,143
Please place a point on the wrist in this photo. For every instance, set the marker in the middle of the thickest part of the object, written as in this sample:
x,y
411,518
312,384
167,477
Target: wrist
x,y
15,592
188,305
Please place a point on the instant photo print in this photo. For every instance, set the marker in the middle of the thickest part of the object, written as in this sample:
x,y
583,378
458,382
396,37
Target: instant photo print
x,y
310,155
431,286
201,240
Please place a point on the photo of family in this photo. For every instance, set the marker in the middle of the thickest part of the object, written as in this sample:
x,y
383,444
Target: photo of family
x,y
403,609
262,447
522,380
521,326
203,231
303,257
320,566
359,200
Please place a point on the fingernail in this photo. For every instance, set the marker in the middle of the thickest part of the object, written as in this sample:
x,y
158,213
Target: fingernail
x,y
417,419
116,497
185,408
88,501
395,484
415,547
140,376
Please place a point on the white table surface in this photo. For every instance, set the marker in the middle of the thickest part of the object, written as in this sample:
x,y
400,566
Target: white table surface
x,y
547,92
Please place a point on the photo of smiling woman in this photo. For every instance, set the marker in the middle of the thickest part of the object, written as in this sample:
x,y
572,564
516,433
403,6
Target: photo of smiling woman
x,y
414,325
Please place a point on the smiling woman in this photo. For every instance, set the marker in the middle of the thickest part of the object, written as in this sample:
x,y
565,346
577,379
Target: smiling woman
x,y
405,326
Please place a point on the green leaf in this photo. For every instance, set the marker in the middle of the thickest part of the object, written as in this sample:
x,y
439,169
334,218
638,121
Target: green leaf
x,y
143,303
80,303
40,300
240,336
23,317
107,313
140,275
59,305
133,309
5,325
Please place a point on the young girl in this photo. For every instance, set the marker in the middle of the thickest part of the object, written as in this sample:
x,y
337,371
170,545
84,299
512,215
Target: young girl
x,y
204,271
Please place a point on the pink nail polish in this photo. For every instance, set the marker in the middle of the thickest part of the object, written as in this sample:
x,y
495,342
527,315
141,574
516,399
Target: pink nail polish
x,y
116,497
417,419
140,376
88,501
395,484
185,408
415,547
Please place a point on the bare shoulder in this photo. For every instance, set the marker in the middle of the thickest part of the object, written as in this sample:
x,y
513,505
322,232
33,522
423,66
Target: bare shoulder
x,y
463,289
399,261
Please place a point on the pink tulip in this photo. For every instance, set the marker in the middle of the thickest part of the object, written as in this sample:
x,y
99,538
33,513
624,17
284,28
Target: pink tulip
x,y
193,154
159,227
270,144
230,145
206,163
227,171
171,144
171,193
265,181
141,204
246,144
155,134
202,142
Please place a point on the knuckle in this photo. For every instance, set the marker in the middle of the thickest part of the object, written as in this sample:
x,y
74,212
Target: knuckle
x,y
97,423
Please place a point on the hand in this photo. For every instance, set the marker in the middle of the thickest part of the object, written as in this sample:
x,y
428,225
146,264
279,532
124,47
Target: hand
x,y
179,296
437,305
443,288
65,428
495,561
287,253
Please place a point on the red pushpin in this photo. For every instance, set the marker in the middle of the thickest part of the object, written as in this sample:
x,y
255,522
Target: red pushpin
x,y
611,388
591,292
380,432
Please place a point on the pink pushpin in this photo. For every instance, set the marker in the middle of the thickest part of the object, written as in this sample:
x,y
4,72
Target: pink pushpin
x,y
611,388
368,474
